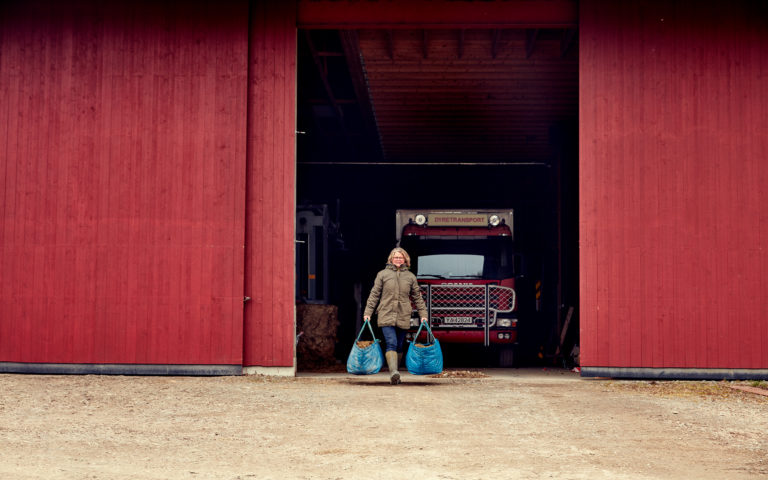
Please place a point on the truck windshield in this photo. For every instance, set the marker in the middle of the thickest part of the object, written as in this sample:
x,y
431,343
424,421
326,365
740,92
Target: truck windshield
x,y
450,266
457,257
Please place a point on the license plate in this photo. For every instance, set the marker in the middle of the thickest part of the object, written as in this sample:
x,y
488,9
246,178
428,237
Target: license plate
x,y
458,320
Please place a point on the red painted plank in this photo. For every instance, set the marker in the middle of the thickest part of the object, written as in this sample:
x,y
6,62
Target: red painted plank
x,y
436,14
122,225
672,203
269,317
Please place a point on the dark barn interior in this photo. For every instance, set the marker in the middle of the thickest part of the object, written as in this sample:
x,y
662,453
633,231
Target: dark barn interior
x,y
475,118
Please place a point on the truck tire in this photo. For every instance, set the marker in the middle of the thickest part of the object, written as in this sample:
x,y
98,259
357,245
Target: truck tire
x,y
506,357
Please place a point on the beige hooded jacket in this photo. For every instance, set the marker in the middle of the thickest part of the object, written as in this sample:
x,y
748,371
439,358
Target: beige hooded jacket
x,y
393,290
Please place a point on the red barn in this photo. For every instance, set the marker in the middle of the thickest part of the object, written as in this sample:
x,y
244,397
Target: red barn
x,y
151,166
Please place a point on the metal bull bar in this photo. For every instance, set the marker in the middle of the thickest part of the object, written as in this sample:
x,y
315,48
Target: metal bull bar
x,y
467,306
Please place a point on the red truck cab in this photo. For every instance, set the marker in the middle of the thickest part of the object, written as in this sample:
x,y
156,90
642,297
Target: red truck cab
x,y
467,268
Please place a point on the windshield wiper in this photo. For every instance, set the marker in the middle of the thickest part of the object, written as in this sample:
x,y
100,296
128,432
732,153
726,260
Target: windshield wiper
x,y
433,275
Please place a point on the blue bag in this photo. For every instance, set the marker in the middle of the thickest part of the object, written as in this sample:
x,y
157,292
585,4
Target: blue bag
x,y
368,360
427,358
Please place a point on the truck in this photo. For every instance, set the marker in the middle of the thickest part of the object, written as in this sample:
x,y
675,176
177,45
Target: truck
x,y
469,272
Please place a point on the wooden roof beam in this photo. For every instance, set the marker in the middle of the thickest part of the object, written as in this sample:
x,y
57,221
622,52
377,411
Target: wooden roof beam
x,y
323,101
496,33
390,44
530,41
351,44
338,113
569,36
323,76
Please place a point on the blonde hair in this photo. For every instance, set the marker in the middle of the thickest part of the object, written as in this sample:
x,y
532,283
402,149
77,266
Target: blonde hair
x,y
405,255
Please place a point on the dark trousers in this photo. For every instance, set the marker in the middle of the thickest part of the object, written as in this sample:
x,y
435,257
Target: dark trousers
x,y
394,338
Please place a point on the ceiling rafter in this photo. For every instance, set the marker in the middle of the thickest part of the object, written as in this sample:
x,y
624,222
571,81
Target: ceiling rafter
x,y
338,113
569,36
390,44
440,108
323,101
425,103
530,41
496,34
351,45
322,70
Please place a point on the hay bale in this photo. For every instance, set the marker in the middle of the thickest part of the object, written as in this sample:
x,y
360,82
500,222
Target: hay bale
x,y
318,325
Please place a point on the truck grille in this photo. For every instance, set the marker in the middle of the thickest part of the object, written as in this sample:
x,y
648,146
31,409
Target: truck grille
x,y
465,305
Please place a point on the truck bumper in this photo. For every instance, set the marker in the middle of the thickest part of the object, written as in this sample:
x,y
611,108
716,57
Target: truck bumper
x,y
474,336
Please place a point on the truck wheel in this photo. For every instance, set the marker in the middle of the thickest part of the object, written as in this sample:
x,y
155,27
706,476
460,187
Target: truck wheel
x,y
507,356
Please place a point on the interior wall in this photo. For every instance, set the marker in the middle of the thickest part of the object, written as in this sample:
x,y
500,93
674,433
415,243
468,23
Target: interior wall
x,y
673,182
121,181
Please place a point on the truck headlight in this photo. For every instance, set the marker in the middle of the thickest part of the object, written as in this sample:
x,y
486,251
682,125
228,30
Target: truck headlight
x,y
421,219
504,322
494,220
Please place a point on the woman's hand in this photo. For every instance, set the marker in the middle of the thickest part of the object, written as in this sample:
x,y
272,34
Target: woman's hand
x,y
367,319
423,320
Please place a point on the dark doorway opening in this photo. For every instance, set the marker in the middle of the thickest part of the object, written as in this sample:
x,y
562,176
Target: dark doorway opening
x,y
451,119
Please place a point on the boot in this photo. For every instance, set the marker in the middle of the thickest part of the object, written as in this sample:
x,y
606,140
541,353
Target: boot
x,y
394,378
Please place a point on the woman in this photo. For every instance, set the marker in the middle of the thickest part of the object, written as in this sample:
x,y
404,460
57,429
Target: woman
x,y
393,290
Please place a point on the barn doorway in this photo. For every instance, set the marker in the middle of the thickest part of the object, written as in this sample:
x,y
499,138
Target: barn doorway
x,y
438,118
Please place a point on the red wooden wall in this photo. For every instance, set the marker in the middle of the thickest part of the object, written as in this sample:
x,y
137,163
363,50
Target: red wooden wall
x,y
271,198
147,172
122,167
674,184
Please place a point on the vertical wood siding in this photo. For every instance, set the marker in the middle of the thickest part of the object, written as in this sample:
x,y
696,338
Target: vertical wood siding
x,y
122,162
271,206
674,184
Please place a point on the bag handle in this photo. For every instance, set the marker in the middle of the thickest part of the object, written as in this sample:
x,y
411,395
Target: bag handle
x,y
366,322
429,334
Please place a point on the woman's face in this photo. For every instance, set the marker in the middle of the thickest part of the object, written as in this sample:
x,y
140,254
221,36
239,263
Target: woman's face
x,y
398,259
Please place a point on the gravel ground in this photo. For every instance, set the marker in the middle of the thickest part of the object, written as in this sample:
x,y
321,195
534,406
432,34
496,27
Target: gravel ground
x,y
489,424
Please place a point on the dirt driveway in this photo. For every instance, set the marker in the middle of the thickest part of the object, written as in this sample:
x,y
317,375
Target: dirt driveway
x,y
511,424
